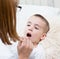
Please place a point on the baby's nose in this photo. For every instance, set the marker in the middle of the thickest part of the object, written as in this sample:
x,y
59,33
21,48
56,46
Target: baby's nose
x,y
31,28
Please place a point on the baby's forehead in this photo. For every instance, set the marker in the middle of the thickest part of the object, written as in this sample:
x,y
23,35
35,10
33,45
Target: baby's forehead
x,y
36,21
36,18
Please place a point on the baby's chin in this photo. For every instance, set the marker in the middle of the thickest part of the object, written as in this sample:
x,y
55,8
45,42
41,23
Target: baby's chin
x,y
28,37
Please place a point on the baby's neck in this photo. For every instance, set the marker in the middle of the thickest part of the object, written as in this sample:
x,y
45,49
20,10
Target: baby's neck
x,y
35,45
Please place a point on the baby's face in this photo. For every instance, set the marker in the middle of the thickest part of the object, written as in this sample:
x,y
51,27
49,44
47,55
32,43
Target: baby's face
x,y
35,29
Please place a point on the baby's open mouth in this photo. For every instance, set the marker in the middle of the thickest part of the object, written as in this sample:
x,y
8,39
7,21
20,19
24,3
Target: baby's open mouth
x,y
28,35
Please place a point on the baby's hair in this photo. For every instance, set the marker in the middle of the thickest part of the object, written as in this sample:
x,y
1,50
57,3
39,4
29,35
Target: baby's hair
x,y
45,20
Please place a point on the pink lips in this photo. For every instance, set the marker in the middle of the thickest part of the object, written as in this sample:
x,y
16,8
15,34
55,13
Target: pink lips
x,y
28,35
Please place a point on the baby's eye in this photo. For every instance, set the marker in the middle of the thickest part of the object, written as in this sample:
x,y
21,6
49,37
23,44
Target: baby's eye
x,y
37,28
28,25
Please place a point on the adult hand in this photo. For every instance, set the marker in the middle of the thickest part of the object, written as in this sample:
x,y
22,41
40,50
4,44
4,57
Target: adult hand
x,y
25,47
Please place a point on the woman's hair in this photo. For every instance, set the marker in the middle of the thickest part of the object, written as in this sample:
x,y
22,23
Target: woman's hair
x,y
8,21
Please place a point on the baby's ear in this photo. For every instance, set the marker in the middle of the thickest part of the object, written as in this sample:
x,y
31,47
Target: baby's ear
x,y
43,36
